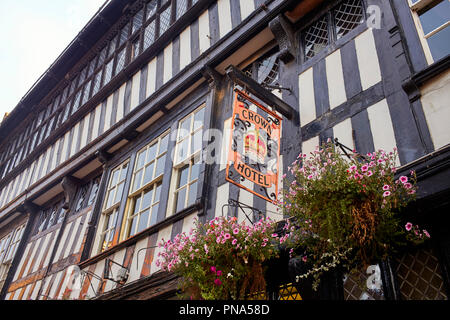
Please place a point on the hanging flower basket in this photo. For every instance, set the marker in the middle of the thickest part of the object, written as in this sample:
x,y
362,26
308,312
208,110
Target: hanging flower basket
x,y
221,259
345,211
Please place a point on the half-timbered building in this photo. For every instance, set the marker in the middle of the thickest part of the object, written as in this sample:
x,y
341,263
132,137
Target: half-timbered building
x,y
106,154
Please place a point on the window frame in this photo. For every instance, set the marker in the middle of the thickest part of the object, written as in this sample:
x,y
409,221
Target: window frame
x,y
329,14
418,8
189,160
144,187
114,209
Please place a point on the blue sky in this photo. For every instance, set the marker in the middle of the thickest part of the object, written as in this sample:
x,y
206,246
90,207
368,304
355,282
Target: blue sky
x,y
33,34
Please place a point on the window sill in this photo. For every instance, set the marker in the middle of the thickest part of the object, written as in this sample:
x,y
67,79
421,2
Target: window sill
x,y
132,240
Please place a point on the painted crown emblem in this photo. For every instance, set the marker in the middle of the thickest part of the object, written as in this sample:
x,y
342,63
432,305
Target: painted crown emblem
x,y
255,146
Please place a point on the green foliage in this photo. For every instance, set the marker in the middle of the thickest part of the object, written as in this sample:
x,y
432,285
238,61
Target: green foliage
x,y
345,212
220,260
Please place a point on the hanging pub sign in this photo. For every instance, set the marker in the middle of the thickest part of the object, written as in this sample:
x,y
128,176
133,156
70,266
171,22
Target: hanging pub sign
x,y
254,150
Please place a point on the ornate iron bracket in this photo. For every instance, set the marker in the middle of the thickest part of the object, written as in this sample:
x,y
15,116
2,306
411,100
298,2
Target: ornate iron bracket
x,y
236,204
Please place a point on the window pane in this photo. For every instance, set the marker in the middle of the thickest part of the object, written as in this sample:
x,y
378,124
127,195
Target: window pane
x,y
137,20
181,198
147,199
135,48
195,171
120,60
183,149
151,8
184,174
160,166
148,173
123,173
164,21
143,221
196,143
181,7
185,128
149,34
199,118
154,215
348,16
137,180
435,17
124,34
192,193
115,178
109,198
137,205
133,226
157,193
141,159
439,44
108,72
152,152
119,192
316,37
163,144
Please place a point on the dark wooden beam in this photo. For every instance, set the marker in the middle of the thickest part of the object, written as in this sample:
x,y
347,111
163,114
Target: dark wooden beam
x,y
238,77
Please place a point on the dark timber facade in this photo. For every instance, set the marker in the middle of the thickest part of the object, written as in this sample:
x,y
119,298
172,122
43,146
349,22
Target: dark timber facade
x,y
94,170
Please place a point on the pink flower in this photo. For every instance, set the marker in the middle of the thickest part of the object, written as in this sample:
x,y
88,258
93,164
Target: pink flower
x,y
234,242
364,168
426,233
386,194
217,282
403,179
386,187
219,273
274,235
227,236
407,185
411,191
369,173
304,259
352,168
408,226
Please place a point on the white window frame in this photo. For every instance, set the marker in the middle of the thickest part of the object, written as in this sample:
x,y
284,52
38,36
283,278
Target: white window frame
x,y
192,157
108,212
153,185
415,8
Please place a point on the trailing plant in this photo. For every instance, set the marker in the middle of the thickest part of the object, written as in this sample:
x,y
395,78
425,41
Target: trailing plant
x,y
221,259
345,211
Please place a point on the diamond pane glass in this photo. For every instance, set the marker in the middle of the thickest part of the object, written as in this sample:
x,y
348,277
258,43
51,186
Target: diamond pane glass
x,y
108,72
419,276
151,8
149,34
181,7
348,16
164,20
124,35
120,60
138,19
316,37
